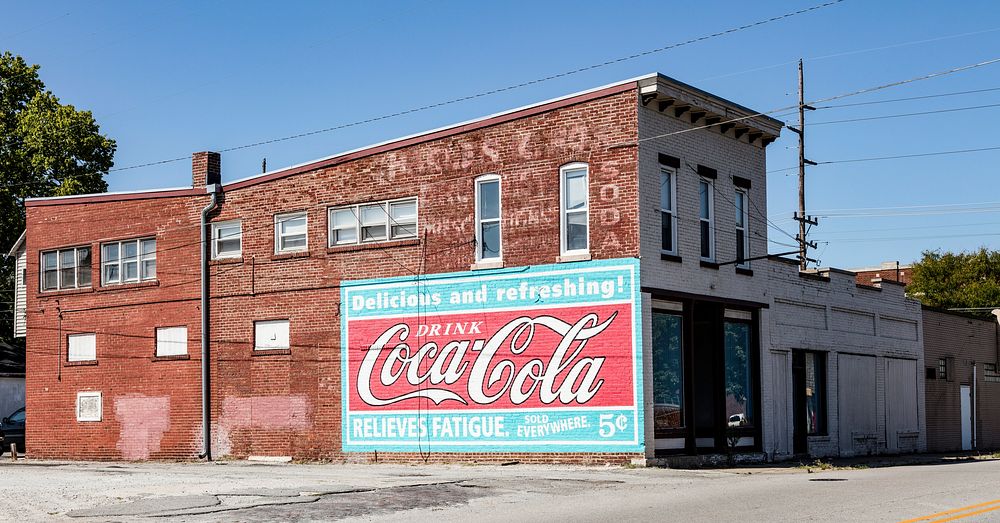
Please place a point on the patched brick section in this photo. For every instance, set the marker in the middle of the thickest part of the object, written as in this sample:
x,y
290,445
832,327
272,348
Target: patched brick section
x,y
304,289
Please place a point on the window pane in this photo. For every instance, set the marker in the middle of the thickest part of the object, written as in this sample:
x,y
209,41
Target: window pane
x,y
373,220
489,200
704,197
149,269
293,225
576,189
67,269
404,231
668,372
130,250
83,267
576,231
706,239
293,242
148,247
739,387
740,203
667,231
345,235
50,280
130,270
343,218
110,253
49,260
490,236
228,247
815,416
111,274
740,245
666,192
403,212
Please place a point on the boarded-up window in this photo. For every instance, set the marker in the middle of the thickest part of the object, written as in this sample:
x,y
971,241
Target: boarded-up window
x,y
82,347
88,406
171,341
271,335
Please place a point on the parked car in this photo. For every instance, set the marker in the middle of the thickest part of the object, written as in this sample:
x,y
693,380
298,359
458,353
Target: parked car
x,y
12,430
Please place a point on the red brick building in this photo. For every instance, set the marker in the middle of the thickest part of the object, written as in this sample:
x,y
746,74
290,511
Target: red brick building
x,y
114,322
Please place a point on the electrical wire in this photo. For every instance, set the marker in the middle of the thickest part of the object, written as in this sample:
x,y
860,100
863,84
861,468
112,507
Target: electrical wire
x,y
904,115
894,157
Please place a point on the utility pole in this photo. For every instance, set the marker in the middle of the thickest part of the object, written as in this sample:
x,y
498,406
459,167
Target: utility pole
x,y
804,219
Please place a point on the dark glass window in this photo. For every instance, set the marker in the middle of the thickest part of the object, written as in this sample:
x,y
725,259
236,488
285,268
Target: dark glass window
x,y
739,381
668,371
815,393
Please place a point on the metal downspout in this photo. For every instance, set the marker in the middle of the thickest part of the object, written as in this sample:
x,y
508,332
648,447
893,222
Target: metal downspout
x,y
206,404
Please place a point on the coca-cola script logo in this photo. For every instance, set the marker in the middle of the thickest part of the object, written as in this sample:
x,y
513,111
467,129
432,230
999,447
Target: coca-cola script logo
x,y
548,358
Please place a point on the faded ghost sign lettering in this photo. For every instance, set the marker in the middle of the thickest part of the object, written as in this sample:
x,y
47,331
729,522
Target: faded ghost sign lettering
x,y
544,359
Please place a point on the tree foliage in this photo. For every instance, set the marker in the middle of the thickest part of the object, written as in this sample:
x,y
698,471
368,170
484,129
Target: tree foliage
x,y
46,149
949,280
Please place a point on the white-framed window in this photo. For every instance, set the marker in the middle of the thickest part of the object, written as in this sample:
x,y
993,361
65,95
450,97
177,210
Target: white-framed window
x,y
89,406
227,239
373,222
489,239
66,269
128,261
574,208
706,217
270,335
171,341
82,347
741,202
668,220
291,232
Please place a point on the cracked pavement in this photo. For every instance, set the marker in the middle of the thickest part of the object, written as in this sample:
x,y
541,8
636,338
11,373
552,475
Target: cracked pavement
x,y
252,491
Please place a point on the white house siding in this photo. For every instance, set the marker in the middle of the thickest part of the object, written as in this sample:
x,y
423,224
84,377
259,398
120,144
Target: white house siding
x,y
20,294
873,341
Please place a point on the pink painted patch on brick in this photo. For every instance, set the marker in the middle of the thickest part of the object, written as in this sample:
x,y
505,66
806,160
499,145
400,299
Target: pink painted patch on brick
x,y
266,412
143,421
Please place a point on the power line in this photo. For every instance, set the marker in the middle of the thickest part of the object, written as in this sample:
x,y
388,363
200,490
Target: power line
x,y
508,87
909,98
905,115
905,238
894,157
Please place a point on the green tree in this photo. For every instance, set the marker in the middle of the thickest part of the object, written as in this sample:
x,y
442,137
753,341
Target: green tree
x,y
46,149
950,280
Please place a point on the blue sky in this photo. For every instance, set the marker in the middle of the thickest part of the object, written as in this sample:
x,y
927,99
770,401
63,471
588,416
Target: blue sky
x,y
165,79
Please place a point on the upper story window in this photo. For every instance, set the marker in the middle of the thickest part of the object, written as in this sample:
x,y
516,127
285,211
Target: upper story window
x,y
706,215
373,222
488,236
82,347
668,223
290,232
171,341
128,261
66,269
742,223
574,208
227,239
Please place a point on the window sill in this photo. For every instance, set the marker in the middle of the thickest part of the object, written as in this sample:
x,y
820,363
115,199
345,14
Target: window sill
x,y
489,264
743,271
670,257
566,258
84,363
233,260
709,264
289,255
336,249
126,286
64,292
175,357
271,352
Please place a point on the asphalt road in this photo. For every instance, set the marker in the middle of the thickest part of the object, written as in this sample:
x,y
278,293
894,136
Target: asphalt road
x,y
953,490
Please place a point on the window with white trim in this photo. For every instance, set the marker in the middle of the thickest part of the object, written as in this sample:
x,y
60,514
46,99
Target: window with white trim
x,y
290,232
488,235
574,203
373,222
89,406
668,223
270,335
82,347
171,341
128,261
741,202
227,239
706,216
66,269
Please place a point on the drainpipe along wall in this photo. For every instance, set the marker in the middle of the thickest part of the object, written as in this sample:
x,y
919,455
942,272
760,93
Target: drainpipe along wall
x,y
206,403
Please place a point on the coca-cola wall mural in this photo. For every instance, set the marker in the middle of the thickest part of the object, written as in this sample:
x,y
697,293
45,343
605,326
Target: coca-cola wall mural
x,y
528,359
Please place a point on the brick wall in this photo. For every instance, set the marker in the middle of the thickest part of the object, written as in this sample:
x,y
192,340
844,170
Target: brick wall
x,y
288,402
963,340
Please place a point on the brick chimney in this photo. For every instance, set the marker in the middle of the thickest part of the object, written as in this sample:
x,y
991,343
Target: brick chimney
x,y
206,169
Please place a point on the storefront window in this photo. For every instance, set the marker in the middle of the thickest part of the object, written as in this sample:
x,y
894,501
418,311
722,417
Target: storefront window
x,y
668,372
739,384
815,393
